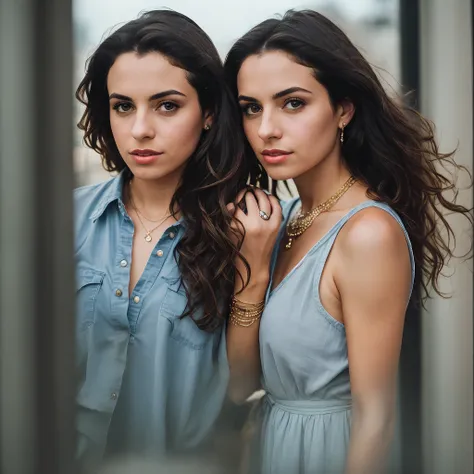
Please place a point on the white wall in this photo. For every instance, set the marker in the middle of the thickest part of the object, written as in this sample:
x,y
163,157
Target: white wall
x,y
446,86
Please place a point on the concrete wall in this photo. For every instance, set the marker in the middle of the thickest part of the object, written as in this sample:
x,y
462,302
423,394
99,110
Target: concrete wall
x,y
446,86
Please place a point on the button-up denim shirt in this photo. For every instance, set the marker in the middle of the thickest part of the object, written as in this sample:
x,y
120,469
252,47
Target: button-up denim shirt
x,y
149,381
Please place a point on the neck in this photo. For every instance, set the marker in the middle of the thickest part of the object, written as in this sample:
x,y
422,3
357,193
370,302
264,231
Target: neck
x,y
151,197
321,182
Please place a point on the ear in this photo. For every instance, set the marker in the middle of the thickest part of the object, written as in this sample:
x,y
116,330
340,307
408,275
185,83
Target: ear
x,y
207,120
345,110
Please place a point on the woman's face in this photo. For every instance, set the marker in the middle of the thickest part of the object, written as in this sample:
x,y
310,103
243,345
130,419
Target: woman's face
x,y
155,116
288,117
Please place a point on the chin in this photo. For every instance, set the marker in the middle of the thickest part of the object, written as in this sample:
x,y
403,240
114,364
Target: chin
x,y
280,173
152,174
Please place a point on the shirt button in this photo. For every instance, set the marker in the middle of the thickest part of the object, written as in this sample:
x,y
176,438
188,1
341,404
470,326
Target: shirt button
x,y
136,299
159,253
118,292
132,338
123,263
113,396
171,235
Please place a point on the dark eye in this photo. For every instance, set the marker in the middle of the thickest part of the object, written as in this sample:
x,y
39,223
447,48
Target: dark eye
x,y
122,107
168,106
251,109
294,104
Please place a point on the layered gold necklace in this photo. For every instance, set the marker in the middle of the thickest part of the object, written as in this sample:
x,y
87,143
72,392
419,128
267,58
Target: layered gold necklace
x,y
303,220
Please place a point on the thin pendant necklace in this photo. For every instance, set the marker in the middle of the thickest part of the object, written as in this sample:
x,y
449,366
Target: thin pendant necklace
x,y
303,220
148,237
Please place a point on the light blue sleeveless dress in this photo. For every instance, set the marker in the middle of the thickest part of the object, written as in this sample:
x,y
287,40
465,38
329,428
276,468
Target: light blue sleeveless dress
x,y
305,417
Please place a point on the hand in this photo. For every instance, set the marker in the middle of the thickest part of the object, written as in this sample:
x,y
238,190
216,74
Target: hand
x,y
259,234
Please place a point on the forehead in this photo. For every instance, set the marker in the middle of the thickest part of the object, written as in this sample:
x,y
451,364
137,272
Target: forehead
x,y
271,72
150,73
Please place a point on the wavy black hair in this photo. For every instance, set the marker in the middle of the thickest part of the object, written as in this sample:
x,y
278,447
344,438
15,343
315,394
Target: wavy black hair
x,y
215,172
388,145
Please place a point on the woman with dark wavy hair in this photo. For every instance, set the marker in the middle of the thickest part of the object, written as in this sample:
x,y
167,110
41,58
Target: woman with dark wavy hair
x,y
159,249
370,211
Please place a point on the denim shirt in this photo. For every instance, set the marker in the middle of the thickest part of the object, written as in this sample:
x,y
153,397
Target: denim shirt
x,y
149,381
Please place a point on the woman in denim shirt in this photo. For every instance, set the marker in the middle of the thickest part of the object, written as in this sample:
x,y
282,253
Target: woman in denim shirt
x,y
157,247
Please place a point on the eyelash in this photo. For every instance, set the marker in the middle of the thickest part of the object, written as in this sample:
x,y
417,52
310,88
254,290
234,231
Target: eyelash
x,y
117,106
169,102
295,99
245,109
301,103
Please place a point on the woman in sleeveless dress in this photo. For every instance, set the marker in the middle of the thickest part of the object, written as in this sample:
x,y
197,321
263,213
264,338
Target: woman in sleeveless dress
x,y
360,236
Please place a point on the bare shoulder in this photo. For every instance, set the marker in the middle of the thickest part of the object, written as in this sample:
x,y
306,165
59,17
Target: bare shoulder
x,y
373,267
370,232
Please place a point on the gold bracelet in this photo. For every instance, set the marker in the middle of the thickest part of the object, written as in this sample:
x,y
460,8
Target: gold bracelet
x,y
245,314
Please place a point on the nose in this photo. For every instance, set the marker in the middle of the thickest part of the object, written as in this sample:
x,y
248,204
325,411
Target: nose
x,y
142,127
268,128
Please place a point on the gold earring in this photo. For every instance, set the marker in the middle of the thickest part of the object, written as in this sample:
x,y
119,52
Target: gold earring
x,y
342,132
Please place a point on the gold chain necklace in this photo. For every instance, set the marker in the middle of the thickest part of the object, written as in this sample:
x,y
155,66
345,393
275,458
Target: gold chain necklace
x,y
145,217
148,237
303,220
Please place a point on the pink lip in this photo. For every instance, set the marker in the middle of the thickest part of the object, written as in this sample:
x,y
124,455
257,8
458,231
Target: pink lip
x,y
145,156
275,156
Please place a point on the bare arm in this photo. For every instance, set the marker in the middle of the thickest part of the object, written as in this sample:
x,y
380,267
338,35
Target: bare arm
x,y
373,277
242,342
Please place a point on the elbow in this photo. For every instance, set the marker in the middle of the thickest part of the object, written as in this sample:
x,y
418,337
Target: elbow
x,y
237,397
377,423
240,394
241,389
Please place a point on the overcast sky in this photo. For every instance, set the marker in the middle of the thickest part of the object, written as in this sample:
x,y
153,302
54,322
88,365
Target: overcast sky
x,y
223,20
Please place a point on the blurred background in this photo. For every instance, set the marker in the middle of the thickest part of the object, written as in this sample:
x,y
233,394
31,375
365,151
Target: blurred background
x,y
424,47
372,24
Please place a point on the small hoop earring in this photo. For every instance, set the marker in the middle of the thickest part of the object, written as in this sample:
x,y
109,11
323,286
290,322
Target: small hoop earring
x,y
342,132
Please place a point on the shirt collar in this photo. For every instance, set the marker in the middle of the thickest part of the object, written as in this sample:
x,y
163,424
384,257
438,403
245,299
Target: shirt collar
x,y
114,193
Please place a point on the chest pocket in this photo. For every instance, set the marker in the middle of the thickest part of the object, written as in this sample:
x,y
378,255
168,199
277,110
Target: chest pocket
x,y
184,330
88,284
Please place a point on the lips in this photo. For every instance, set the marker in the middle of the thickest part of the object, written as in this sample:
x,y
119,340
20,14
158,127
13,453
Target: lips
x,y
145,156
275,156
145,152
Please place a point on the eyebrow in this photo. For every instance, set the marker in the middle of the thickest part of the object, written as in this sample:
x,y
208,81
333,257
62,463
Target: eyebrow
x,y
278,95
157,96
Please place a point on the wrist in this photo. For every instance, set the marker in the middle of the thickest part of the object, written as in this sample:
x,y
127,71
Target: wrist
x,y
255,289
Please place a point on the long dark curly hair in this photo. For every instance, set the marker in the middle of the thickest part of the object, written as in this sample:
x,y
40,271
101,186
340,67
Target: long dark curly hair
x,y
215,172
388,146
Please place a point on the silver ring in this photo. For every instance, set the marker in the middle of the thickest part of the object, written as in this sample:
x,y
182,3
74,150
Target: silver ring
x,y
264,215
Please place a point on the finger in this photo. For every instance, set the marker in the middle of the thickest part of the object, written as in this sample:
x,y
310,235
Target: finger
x,y
231,208
252,205
241,194
239,200
263,202
239,216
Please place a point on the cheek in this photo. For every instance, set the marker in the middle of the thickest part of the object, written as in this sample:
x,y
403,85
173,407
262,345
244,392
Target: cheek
x,y
119,130
182,135
314,131
251,132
